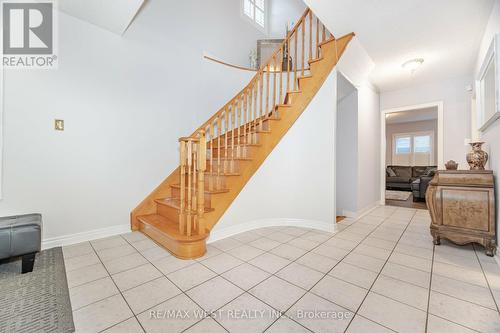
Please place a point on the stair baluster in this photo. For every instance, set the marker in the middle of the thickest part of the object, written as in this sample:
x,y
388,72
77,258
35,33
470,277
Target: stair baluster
x,y
213,165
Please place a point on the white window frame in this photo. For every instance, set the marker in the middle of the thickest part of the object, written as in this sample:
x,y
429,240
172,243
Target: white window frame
x,y
264,28
412,135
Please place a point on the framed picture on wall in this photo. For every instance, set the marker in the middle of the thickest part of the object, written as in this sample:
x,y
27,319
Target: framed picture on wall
x,y
487,87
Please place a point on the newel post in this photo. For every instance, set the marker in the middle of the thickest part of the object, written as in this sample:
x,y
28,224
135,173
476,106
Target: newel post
x,y
183,185
202,166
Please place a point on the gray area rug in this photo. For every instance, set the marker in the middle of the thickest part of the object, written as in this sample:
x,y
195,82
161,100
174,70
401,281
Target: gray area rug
x,y
36,301
397,195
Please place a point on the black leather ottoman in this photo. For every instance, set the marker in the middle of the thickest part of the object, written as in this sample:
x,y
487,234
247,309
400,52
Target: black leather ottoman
x,y
21,236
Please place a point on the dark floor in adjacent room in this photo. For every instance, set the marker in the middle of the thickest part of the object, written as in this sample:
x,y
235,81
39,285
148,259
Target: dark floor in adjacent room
x,y
408,203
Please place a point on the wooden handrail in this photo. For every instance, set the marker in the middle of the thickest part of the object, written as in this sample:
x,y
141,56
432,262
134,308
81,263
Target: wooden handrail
x,y
230,65
219,142
276,52
248,69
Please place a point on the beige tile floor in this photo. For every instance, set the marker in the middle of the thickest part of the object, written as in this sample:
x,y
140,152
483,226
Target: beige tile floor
x,y
380,273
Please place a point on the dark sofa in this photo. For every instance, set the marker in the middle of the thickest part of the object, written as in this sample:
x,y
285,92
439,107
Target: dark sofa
x,y
409,178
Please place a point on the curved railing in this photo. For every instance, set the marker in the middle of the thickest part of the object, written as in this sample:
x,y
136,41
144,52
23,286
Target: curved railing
x,y
222,138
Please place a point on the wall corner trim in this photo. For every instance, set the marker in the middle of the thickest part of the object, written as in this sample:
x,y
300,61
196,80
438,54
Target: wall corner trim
x,y
497,256
222,233
85,236
362,212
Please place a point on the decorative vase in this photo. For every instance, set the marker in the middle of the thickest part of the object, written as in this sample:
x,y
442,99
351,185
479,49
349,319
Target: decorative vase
x,y
253,59
477,158
451,165
287,66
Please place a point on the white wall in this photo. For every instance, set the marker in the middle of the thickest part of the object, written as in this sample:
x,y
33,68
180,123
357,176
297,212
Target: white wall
x,y
409,127
492,135
456,111
369,147
126,101
356,66
346,156
283,12
295,184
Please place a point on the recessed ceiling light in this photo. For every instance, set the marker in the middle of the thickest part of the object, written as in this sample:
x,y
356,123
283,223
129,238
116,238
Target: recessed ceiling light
x,y
413,64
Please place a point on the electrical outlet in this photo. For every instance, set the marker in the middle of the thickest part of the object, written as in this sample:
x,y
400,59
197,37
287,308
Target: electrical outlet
x,y
59,125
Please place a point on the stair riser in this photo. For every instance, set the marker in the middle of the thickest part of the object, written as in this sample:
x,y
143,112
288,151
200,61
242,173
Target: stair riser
x,y
265,124
249,138
176,193
168,212
223,166
182,250
214,182
163,226
290,98
304,81
237,152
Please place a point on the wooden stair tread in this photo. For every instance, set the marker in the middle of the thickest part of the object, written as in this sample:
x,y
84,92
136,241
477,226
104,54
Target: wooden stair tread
x,y
222,146
176,203
168,228
160,219
315,60
225,174
253,131
332,39
224,190
215,158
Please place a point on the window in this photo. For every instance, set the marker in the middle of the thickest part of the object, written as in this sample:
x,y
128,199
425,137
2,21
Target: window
x,y
422,144
413,148
256,11
403,145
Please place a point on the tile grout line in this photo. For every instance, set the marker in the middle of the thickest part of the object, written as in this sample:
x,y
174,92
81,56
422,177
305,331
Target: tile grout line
x,y
338,261
170,298
217,274
486,278
273,274
324,274
129,242
380,271
430,289
119,291
265,251
225,251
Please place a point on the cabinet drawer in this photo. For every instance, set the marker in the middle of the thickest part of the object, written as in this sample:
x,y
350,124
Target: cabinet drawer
x,y
466,208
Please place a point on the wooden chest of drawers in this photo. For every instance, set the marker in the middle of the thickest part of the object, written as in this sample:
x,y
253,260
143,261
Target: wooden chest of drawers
x,y
462,208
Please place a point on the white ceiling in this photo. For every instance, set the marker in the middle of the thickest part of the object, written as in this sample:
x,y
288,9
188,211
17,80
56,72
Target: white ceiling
x,y
411,116
446,33
112,15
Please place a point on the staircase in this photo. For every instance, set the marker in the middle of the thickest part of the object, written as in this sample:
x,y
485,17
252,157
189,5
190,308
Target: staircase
x,y
221,156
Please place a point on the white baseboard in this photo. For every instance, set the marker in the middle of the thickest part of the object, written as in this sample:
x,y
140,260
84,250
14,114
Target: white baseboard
x,y
497,256
85,236
218,234
362,212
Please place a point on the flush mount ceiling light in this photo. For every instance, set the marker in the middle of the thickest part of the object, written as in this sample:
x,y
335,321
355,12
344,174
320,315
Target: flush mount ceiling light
x,y
413,64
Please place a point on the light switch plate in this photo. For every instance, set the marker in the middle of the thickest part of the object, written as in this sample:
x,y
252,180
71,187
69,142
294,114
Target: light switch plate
x,y
59,125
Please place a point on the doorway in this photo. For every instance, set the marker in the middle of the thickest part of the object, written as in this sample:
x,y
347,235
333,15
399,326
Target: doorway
x,y
412,150
346,153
